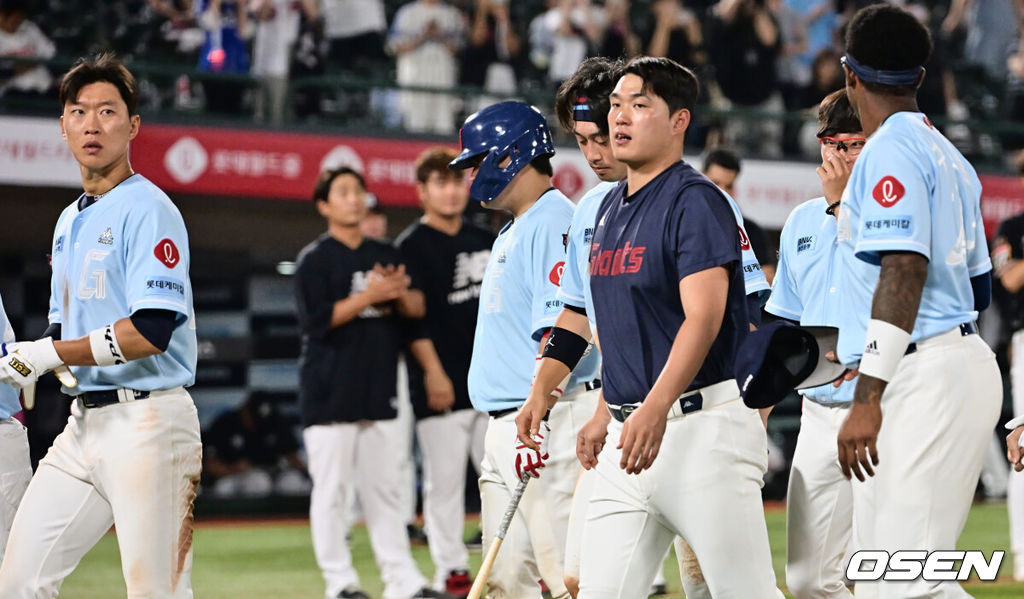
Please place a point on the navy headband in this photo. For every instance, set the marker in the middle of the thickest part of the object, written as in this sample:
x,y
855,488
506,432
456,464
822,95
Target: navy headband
x,y
870,75
581,111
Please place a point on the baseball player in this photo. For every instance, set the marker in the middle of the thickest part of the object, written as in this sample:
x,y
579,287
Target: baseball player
x,y
350,293
508,147
15,463
447,255
819,501
1007,264
121,317
669,303
910,240
582,108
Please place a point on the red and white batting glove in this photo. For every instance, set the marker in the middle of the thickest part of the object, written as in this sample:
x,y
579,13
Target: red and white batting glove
x,y
530,461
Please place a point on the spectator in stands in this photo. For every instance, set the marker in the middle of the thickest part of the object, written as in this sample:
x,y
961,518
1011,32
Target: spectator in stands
x,y
21,38
745,44
676,34
722,166
793,74
491,50
354,30
561,37
426,36
224,51
276,29
1015,96
993,27
937,96
252,451
619,38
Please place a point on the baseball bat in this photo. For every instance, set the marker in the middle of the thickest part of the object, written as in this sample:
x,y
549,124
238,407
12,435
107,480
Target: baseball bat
x,y
485,568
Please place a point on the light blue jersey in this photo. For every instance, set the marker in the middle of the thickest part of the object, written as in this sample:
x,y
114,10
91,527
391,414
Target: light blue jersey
x,y
910,190
518,300
9,404
754,280
575,289
126,252
806,286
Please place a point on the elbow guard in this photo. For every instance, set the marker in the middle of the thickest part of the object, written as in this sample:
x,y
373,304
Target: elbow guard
x,y
566,347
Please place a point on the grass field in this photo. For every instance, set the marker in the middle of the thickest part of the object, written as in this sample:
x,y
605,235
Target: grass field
x,y
274,560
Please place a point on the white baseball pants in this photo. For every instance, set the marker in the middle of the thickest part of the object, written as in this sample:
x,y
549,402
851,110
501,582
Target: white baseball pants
x,y
1015,490
534,546
360,457
15,472
819,507
446,442
694,585
134,465
704,486
938,413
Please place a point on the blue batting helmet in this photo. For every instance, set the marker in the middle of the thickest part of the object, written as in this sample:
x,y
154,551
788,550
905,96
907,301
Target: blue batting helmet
x,y
512,130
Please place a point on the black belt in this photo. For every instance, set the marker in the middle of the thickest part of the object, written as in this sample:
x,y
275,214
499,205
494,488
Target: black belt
x,y
688,404
98,399
966,328
589,386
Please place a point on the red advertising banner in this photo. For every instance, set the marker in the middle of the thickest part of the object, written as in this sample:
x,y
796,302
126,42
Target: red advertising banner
x,y
267,164
272,165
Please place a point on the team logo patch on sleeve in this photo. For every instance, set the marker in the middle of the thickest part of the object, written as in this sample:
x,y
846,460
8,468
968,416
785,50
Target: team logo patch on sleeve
x,y
744,240
888,191
555,276
167,253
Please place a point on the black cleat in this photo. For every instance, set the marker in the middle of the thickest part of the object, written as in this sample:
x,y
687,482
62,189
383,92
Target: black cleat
x,y
353,593
416,534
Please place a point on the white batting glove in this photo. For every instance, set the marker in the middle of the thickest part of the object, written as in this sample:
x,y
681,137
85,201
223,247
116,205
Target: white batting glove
x,y
530,461
24,362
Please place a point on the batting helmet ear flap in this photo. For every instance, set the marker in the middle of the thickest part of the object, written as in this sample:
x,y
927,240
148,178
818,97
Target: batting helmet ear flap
x,y
511,135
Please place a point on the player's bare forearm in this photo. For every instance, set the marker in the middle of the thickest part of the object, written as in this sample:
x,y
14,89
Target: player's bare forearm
x,y
412,304
1012,276
896,301
78,352
703,295
348,309
426,355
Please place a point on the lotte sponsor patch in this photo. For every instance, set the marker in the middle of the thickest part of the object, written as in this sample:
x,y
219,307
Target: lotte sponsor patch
x,y
167,253
744,240
555,276
888,191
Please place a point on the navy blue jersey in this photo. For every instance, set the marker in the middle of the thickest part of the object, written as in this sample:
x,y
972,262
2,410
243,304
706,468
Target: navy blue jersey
x,y
676,225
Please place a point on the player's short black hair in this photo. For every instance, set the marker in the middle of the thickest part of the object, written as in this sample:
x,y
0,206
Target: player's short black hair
x,y
724,158
326,178
888,38
836,115
103,67
665,78
542,164
436,160
594,79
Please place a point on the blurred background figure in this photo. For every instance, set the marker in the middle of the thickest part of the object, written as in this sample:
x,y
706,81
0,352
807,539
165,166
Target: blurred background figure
x,y
492,49
224,51
563,36
276,30
426,36
21,38
253,451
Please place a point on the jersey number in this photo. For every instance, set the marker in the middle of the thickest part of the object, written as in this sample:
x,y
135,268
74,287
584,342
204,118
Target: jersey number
x,y
93,284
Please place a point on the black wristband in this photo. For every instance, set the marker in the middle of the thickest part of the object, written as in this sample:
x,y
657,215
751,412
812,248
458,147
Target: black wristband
x,y
565,346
